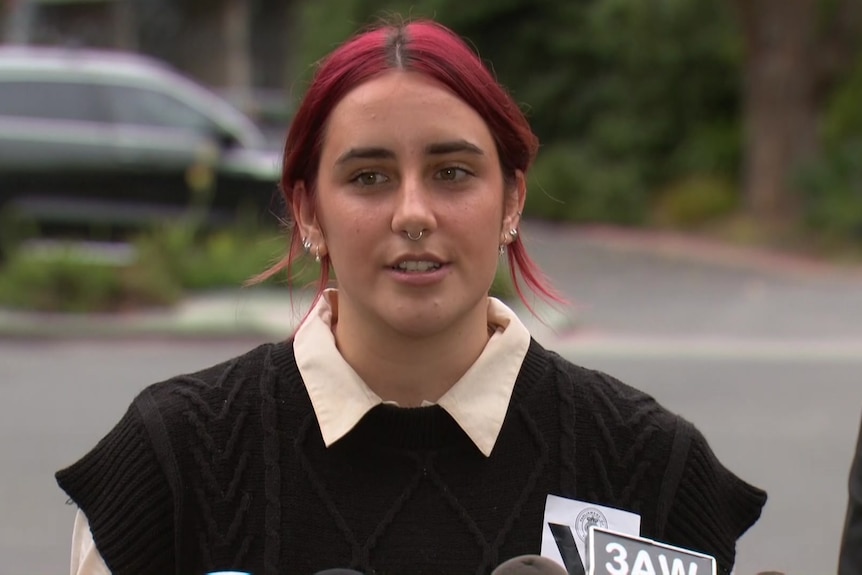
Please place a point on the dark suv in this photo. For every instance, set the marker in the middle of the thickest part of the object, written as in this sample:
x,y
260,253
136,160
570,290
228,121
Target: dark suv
x,y
105,140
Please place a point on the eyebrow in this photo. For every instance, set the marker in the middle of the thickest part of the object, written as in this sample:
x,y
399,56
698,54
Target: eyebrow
x,y
364,154
452,147
437,149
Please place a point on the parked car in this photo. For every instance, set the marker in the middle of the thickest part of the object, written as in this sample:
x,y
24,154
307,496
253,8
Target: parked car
x,y
98,140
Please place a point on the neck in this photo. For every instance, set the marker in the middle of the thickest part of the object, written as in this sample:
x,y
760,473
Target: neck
x,y
410,369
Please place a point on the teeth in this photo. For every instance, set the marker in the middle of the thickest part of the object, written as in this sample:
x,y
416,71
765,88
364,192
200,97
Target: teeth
x,y
418,266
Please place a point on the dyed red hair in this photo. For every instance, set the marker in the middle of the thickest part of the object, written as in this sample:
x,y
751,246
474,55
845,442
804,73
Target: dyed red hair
x,y
427,48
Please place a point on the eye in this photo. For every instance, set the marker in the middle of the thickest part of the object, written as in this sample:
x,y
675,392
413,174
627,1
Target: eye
x,y
369,179
453,174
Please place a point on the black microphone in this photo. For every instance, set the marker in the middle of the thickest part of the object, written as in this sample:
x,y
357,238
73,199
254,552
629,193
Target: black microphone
x,y
529,565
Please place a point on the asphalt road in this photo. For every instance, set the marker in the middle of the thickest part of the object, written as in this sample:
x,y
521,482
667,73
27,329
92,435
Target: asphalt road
x,y
764,359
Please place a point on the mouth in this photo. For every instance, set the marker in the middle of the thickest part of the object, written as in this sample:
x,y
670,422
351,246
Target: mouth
x,y
417,266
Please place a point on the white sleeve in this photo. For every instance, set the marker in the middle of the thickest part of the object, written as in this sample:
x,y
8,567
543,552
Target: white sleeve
x,y
85,557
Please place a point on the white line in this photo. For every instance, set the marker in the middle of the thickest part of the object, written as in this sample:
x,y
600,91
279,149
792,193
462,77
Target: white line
x,y
701,348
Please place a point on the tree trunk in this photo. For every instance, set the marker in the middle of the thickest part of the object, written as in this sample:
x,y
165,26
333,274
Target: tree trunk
x,y
780,101
126,26
237,27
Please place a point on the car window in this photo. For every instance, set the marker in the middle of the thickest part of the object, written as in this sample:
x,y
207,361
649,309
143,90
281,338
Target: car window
x,y
146,107
53,100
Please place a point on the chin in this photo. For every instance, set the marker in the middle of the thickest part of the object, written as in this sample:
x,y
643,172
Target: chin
x,y
419,328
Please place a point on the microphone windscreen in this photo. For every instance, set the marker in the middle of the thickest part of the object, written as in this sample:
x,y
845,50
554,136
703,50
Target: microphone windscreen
x,y
529,565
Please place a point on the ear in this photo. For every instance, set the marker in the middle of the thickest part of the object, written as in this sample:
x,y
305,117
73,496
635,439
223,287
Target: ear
x,y
305,215
513,205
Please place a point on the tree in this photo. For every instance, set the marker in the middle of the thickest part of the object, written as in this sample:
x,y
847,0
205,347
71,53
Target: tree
x,y
795,50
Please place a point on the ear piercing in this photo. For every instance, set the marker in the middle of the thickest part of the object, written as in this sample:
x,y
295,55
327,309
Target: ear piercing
x,y
307,245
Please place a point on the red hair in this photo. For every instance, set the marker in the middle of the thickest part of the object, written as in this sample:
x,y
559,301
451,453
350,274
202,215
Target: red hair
x,y
427,48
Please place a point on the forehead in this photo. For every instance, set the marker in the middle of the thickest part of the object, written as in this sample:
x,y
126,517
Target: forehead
x,y
399,108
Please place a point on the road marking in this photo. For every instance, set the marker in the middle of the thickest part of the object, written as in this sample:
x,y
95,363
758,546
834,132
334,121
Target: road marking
x,y
827,350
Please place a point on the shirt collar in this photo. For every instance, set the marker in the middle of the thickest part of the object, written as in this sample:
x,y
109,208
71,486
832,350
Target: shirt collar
x,y
477,402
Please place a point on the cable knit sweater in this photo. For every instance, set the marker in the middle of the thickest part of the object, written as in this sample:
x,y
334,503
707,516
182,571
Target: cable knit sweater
x,y
226,469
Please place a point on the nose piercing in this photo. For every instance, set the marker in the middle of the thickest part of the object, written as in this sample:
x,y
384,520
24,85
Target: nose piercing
x,y
415,238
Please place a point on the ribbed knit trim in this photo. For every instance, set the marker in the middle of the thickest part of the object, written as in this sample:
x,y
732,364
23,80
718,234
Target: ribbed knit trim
x,y
713,505
534,371
409,428
673,474
152,419
118,479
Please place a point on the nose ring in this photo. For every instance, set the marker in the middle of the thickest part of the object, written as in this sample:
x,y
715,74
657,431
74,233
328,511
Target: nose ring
x,y
415,238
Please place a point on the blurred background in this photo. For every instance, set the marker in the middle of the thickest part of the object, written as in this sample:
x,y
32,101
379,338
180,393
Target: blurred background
x,y
736,119
697,196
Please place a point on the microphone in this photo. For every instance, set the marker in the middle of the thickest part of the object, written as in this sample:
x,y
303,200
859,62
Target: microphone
x,y
529,565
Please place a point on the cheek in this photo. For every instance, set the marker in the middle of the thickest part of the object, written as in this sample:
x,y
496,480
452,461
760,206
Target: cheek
x,y
481,218
352,236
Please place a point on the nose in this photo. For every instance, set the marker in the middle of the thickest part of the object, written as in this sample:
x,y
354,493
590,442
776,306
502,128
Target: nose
x,y
414,212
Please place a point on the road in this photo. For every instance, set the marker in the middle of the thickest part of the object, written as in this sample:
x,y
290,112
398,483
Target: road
x,y
764,359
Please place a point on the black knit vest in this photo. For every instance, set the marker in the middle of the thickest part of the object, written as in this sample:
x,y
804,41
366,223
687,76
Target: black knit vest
x,y
226,469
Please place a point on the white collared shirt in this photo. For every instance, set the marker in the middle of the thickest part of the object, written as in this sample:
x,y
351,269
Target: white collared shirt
x,y
477,402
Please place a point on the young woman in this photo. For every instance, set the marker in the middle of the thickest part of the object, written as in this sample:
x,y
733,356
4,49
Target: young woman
x,y
411,425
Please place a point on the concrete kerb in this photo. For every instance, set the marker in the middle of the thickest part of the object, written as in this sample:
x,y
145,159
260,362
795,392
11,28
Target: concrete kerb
x,y
254,313
225,314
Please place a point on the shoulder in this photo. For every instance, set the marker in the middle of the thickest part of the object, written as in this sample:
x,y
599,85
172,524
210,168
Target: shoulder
x,y
128,483
609,398
217,387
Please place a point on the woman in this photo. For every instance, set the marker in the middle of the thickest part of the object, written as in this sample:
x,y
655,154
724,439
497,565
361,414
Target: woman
x,y
411,425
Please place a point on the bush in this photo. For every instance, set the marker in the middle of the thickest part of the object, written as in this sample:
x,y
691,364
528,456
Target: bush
x,y
568,183
68,281
167,263
831,193
694,201
227,258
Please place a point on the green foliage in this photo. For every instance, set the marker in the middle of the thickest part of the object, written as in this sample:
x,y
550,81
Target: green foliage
x,y
168,263
645,91
696,200
831,192
568,183
67,282
223,259
842,119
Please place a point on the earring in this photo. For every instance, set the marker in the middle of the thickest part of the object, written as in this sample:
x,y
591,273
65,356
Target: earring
x,y
514,233
502,249
317,254
306,244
